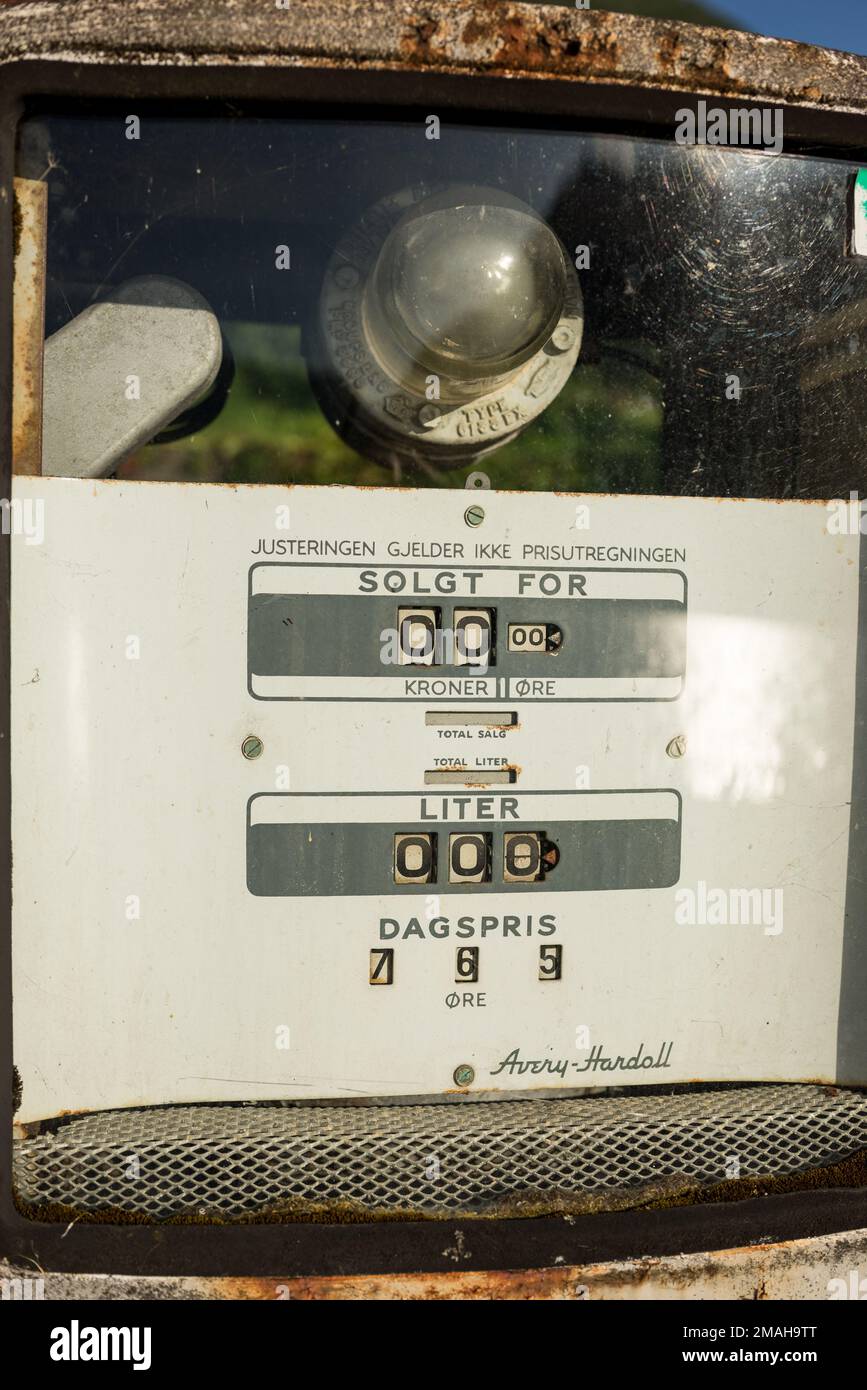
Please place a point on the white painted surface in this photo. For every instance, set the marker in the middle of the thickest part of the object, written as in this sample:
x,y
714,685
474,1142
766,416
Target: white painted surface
x,y
128,783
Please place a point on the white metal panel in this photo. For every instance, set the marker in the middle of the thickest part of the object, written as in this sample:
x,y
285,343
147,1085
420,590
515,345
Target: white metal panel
x,y
130,796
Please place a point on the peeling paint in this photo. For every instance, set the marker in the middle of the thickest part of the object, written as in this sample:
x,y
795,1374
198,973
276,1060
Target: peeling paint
x,y
499,38
29,216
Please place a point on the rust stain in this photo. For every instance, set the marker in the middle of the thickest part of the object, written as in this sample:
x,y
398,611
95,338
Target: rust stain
x,y
669,51
772,1270
415,42
538,42
28,305
512,37
793,1269
510,1284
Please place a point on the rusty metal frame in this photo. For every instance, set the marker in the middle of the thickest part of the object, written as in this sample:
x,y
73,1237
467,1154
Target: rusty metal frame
x,y
515,63
28,299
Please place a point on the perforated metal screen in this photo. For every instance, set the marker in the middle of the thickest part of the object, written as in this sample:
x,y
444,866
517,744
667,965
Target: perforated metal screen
x,y
230,1161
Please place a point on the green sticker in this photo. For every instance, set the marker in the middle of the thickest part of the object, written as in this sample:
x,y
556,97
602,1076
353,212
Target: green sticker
x,y
859,221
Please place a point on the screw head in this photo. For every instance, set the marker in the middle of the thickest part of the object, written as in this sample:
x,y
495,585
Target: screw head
x,y
676,746
477,479
474,516
428,415
464,1075
562,338
252,746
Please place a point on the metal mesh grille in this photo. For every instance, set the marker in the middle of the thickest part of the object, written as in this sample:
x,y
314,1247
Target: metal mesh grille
x,y
234,1160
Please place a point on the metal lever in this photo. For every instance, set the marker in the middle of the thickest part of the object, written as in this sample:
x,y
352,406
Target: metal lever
x,y
119,372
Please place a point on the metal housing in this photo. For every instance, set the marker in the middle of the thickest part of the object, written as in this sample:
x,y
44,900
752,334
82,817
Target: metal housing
x,y
528,62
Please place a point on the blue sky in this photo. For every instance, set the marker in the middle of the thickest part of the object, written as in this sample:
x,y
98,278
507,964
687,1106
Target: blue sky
x,y
831,23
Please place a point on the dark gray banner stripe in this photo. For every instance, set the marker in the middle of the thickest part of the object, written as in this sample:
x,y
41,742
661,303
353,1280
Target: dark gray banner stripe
x,y
340,635
339,859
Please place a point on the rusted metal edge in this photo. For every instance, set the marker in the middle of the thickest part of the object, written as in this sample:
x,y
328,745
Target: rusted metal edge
x,y
491,37
821,1267
28,309
797,1269
792,1270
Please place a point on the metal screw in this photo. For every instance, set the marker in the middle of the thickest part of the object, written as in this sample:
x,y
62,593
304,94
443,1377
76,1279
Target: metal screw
x,y
562,338
474,516
252,746
477,479
428,415
464,1075
677,746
